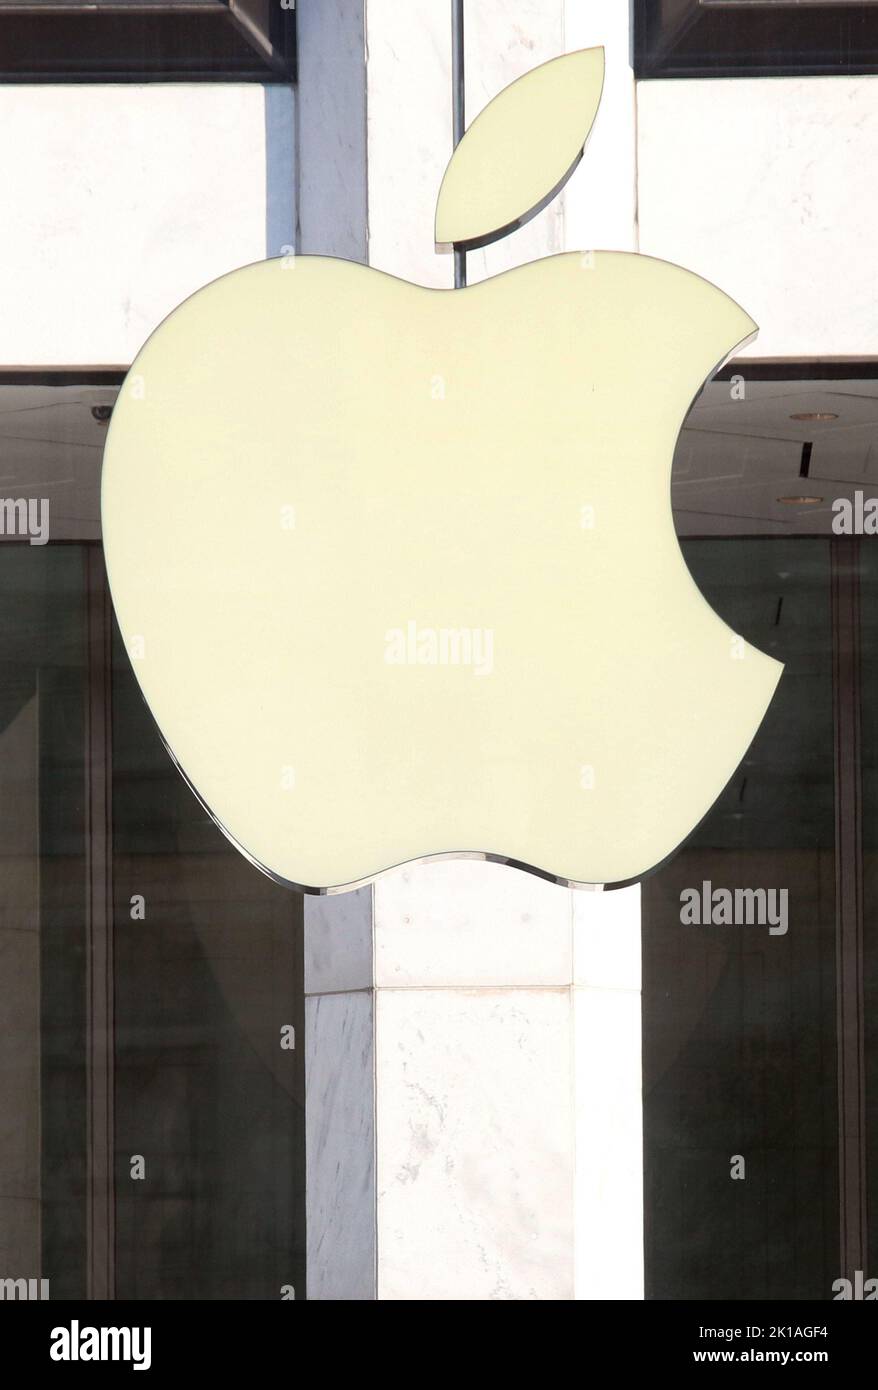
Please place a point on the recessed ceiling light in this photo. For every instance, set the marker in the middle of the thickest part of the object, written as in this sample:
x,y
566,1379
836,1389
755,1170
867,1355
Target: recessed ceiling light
x,y
102,413
800,501
814,415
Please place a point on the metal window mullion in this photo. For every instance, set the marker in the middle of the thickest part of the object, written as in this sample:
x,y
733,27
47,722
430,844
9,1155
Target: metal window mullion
x,y
458,111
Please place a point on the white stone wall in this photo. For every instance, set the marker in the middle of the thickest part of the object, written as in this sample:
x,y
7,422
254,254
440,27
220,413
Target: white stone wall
x,y
410,132
764,186
120,201
508,1120
507,1041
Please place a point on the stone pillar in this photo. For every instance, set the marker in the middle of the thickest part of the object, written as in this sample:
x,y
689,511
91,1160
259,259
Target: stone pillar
x,y
473,1088
473,1032
340,1097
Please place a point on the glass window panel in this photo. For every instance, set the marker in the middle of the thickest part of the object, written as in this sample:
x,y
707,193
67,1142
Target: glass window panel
x,y
204,1091
739,1051
869,737
127,40
727,38
206,976
43,1082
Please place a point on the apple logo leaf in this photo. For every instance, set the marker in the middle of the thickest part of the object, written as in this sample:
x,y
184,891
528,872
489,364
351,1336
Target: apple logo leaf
x,y
519,151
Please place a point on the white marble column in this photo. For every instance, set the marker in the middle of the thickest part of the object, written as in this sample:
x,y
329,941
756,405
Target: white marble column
x,y
473,1031
507,1064
473,1089
340,1097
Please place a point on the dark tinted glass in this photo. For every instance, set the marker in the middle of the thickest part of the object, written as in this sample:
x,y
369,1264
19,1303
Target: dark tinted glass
x,y
43,911
869,734
151,1122
208,973
739,1054
755,38
129,40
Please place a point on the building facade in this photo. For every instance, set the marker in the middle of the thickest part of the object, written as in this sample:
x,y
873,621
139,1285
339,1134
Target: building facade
x,y
464,1081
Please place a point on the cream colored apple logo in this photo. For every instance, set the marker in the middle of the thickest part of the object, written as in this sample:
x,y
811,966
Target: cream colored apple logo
x,y
396,567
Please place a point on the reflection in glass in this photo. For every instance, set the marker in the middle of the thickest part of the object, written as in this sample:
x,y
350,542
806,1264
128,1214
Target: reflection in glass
x,y
208,974
739,1024
43,1083
193,952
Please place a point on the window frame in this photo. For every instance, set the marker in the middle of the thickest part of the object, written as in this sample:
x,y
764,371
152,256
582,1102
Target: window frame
x,y
69,41
755,38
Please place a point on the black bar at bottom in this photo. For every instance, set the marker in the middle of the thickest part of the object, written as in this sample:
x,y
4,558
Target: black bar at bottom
x,y
260,1339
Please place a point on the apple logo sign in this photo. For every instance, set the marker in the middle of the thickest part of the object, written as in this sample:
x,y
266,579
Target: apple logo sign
x,y
396,567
